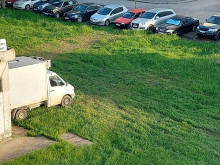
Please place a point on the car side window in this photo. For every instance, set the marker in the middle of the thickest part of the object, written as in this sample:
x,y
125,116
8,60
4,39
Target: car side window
x,y
120,9
137,15
55,81
90,8
71,3
158,15
114,11
65,4
184,21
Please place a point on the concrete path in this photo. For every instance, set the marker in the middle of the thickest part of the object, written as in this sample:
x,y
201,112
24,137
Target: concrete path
x,y
19,144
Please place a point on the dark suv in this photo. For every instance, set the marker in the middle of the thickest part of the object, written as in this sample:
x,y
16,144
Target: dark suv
x,y
211,28
59,7
82,12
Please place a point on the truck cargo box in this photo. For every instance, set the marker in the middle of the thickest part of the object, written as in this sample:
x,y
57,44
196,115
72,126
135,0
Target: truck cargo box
x,y
28,81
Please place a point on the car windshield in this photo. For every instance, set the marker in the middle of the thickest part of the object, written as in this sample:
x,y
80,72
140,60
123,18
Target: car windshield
x,y
51,1
214,20
128,15
80,8
148,15
173,21
44,1
57,3
104,11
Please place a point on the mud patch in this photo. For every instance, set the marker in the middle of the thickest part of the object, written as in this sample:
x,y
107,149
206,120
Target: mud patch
x,y
75,140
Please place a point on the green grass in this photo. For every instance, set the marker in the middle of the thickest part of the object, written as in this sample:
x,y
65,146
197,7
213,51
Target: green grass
x,y
140,98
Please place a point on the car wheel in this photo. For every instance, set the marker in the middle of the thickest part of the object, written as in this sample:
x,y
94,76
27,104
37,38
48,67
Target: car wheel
x,y
21,114
27,7
107,22
79,19
194,28
66,101
150,28
217,36
57,15
176,33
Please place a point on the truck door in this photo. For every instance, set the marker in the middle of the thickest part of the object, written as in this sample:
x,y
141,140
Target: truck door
x,y
56,90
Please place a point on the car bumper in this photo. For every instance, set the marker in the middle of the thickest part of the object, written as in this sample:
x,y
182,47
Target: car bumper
x,y
36,10
98,23
121,25
139,28
49,14
18,7
206,33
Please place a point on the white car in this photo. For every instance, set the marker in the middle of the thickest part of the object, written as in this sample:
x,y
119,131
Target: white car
x,y
108,14
24,4
152,18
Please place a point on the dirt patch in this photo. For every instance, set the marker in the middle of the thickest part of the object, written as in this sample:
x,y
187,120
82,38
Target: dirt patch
x,y
75,140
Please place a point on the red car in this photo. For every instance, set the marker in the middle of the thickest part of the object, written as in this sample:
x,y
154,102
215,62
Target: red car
x,y
128,17
9,3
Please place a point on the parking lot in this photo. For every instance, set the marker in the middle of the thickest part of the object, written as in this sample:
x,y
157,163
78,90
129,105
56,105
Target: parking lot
x,y
196,8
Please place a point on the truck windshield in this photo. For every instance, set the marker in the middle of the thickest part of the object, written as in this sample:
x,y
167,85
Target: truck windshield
x,y
173,21
148,15
104,11
214,20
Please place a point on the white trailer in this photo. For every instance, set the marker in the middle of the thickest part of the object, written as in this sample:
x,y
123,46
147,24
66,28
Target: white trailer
x,y
32,85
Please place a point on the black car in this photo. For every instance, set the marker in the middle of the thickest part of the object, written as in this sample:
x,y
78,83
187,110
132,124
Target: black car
x,y
211,28
178,24
59,7
38,7
82,12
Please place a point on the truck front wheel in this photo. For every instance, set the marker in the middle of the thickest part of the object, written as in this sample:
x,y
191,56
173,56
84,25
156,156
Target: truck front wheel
x,y
66,101
21,114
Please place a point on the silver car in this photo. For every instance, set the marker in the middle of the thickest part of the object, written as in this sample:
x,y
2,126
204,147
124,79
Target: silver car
x,y
108,14
152,18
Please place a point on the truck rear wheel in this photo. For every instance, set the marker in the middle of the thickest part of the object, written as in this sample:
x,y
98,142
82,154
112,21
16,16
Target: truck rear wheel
x,y
21,114
66,101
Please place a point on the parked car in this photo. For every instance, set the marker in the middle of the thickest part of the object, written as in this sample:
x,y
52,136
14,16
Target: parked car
x,y
82,12
178,24
39,6
211,28
9,3
108,14
128,17
152,18
59,7
24,4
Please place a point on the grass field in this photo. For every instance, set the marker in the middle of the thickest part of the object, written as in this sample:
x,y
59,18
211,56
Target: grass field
x,y
140,98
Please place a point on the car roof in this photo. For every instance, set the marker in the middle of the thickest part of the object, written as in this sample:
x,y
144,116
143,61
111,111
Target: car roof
x,y
157,10
112,6
137,10
217,15
180,17
88,4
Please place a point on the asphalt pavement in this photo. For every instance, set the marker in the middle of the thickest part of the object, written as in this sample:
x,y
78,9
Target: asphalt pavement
x,y
201,9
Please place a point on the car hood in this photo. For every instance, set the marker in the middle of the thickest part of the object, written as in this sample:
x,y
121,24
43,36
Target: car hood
x,y
39,3
123,20
141,20
72,12
50,8
98,16
168,27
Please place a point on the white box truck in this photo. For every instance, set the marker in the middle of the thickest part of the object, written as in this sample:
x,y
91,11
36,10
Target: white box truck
x,y
32,85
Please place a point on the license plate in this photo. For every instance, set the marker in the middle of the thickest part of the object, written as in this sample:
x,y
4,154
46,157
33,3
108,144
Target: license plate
x,y
117,24
202,31
66,17
47,13
35,9
135,26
